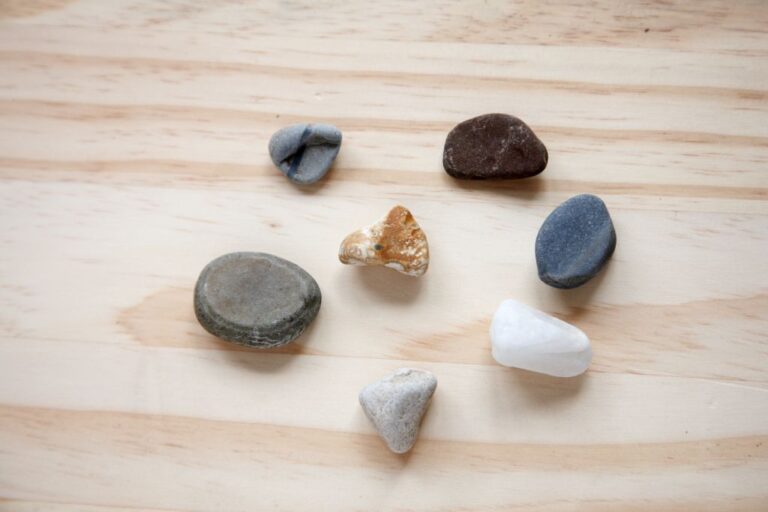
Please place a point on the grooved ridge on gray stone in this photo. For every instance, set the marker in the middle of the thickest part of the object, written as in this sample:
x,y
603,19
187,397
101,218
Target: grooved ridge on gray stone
x,y
256,299
305,152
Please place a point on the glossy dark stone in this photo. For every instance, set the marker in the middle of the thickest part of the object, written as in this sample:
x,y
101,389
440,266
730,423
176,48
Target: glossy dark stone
x,y
493,146
256,299
574,242
305,152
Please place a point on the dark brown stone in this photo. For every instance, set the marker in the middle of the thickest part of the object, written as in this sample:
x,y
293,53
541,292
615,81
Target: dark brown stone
x,y
493,146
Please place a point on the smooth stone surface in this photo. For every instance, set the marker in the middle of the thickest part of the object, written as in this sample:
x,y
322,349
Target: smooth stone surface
x,y
256,299
305,152
396,241
493,146
396,404
574,242
524,337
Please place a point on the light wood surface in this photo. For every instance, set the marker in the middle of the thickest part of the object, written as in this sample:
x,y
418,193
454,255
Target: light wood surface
x,y
133,150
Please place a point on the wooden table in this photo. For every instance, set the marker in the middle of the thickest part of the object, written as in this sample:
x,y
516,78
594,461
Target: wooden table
x,y
133,142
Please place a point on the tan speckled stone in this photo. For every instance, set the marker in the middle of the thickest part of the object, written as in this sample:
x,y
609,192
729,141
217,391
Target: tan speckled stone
x,y
396,241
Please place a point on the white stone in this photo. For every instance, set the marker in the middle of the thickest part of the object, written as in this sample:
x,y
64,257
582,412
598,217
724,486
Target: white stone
x,y
530,339
396,404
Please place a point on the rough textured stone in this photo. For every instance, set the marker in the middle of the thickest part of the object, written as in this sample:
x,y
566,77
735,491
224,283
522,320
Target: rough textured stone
x,y
305,152
396,404
396,241
493,146
255,299
574,242
527,338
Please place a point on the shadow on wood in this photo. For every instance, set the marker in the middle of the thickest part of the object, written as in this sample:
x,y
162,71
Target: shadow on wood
x,y
545,389
526,189
576,300
389,285
268,359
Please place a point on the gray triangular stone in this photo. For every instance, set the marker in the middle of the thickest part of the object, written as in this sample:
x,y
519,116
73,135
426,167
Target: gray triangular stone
x,y
396,404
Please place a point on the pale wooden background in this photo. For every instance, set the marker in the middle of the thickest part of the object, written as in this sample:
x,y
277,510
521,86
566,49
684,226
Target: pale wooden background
x,y
133,150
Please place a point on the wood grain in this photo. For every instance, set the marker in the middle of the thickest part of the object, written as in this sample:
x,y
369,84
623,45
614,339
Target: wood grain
x,y
133,151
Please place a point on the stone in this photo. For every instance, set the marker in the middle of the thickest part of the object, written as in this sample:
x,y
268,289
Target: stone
x,y
396,404
493,146
305,152
256,299
396,241
575,242
524,337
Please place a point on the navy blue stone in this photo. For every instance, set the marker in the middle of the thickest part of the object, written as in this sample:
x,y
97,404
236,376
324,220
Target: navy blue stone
x,y
575,242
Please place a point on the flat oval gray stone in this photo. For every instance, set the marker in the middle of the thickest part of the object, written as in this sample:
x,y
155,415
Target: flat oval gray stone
x,y
256,299
493,146
574,242
305,152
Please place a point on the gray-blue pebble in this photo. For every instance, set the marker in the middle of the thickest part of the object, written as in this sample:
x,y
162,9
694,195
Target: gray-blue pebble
x,y
575,242
305,152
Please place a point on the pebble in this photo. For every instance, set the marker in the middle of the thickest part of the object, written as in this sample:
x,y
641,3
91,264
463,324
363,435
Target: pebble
x,y
255,299
574,242
305,152
523,337
396,404
493,146
396,241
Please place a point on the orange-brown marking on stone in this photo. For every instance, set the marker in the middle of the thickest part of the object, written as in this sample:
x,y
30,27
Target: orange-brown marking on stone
x,y
396,241
403,241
